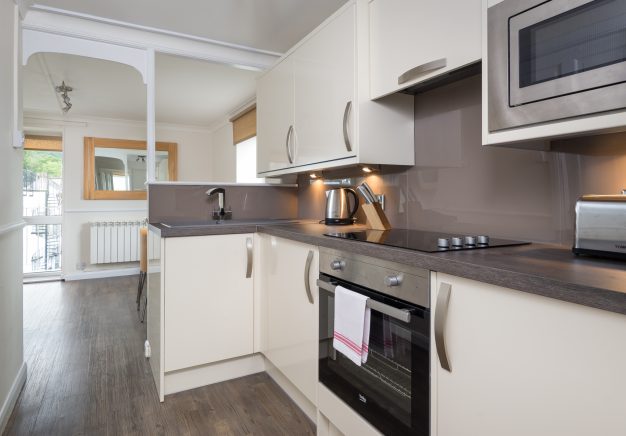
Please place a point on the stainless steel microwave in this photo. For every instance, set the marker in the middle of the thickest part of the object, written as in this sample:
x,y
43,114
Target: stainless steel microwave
x,y
555,59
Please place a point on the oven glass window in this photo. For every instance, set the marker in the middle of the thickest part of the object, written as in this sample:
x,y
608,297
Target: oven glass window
x,y
391,390
588,37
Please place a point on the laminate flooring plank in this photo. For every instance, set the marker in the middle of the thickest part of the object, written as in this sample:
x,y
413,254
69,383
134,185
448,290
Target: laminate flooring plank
x,y
87,375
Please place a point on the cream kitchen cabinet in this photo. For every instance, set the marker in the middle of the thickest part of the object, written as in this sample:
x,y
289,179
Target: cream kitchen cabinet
x,y
522,364
324,80
290,310
275,117
207,300
313,106
415,40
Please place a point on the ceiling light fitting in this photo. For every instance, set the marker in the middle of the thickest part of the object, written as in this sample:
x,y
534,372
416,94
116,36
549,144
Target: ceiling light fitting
x,y
63,89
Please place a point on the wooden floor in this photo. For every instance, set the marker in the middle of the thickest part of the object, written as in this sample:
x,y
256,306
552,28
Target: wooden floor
x,y
87,375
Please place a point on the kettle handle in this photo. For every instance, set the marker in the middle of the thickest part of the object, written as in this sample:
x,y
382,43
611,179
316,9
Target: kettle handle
x,y
356,201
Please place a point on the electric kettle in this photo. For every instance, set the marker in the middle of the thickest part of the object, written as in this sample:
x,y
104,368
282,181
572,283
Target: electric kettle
x,y
338,210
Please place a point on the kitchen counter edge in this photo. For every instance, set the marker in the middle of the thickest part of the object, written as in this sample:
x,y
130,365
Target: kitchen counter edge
x,y
543,269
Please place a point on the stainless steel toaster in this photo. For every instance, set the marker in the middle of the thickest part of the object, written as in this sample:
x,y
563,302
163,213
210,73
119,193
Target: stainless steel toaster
x,y
601,226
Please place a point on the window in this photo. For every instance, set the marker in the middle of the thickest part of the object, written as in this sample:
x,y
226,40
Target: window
x,y
42,196
246,162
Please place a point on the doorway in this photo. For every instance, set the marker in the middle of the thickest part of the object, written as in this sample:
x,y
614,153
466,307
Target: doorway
x,y
42,192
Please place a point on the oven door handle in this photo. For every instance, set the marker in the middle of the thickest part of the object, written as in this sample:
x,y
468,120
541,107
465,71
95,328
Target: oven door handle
x,y
403,315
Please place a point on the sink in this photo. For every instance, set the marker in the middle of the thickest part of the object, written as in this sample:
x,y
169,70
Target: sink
x,y
206,223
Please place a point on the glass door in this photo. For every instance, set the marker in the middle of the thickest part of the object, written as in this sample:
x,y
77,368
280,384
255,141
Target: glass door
x,y
42,192
567,46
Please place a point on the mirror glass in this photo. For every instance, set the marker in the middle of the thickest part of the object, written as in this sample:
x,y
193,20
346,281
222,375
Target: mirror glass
x,y
119,169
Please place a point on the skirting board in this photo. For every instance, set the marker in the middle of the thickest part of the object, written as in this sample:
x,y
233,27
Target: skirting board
x,y
191,378
14,393
292,392
101,274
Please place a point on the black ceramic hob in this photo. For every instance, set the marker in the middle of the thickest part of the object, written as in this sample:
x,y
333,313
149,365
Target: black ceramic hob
x,y
429,242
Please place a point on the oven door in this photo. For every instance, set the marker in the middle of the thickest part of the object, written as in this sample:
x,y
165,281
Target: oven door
x,y
566,46
391,390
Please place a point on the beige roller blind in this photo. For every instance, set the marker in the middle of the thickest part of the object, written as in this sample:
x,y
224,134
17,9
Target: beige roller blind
x,y
43,143
244,125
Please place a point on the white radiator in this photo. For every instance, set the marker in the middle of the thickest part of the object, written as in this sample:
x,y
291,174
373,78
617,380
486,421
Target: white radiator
x,y
115,241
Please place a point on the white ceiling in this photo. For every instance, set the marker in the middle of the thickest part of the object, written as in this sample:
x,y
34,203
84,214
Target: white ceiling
x,y
188,92
101,88
273,25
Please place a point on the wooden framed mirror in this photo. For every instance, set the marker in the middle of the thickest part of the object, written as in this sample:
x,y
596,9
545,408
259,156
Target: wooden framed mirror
x,y
115,169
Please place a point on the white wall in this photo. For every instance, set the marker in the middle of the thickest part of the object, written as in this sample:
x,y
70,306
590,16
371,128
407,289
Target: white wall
x,y
194,157
224,158
12,367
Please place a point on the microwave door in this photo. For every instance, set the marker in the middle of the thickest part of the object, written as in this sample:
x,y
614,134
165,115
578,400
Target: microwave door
x,y
563,47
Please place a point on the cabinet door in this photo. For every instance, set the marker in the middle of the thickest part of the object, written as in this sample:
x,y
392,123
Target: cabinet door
x,y
406,34
208,300
275,119
154,310
324,92
291,318
523,364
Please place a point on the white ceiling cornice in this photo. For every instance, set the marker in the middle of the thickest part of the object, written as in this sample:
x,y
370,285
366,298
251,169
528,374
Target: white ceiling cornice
x,y
24,6
34,118
124,24
131,36
264,27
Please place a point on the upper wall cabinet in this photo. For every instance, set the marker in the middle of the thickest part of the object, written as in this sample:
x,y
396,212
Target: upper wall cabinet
x,y
314,110
415,40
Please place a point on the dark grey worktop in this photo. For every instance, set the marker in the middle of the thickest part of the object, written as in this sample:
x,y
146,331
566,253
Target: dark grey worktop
x,y
542,269
224,228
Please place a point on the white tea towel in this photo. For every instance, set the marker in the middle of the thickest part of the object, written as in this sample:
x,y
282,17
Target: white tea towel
x,y
352,319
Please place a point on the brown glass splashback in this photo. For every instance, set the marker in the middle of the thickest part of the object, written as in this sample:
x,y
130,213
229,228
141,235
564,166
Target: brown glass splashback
x,y
458,185
171,203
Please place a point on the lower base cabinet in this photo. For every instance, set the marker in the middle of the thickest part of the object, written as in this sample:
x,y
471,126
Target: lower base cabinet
x,y
289,273
522,364
208,299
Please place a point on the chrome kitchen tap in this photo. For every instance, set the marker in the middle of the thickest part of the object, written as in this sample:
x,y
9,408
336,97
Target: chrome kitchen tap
x,y
221,199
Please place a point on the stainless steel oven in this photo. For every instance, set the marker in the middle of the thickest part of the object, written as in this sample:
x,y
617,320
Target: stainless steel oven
x,y
555,59
391,390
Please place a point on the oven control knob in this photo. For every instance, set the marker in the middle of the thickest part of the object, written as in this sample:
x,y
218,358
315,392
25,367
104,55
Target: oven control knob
x,y
393,280
337,265
443,243
470,240
482,240
457,242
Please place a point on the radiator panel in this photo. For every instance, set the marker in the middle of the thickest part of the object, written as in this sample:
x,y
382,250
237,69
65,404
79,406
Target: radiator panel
x,y
114,241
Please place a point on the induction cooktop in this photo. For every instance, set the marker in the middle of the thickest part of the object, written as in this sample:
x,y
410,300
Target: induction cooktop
x,y
429,242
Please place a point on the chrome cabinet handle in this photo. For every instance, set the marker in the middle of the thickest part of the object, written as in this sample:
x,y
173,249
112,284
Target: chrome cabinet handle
x,y
441,316
307,276
249,247
346,116
421,69
287,142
